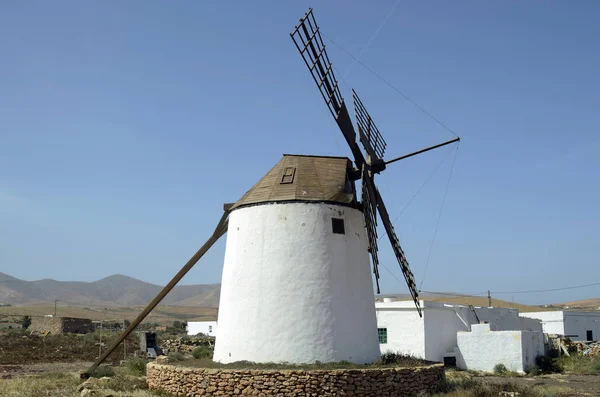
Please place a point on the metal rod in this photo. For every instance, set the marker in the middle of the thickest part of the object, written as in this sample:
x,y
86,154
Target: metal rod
x,y
100,344
457,139
219,231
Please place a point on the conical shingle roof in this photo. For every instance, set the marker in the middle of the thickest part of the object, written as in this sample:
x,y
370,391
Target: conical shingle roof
x,y
303,178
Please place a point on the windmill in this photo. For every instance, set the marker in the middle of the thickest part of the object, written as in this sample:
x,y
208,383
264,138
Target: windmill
x,y
309,43
296,283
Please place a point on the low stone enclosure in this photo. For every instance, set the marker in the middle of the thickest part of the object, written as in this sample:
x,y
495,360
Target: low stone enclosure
x,y
58,325
381,382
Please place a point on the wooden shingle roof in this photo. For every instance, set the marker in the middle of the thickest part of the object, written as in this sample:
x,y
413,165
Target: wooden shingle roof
x,y
302,178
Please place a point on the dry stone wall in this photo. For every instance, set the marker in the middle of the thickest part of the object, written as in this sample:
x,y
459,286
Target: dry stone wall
x,y
77,325
43,324
185,381
57,325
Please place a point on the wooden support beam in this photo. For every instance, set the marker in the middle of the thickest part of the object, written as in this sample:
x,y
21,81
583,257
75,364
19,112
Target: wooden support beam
x,y
219,231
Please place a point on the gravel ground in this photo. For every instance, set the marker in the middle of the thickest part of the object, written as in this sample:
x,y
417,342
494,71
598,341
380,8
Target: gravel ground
x,y
579,385
12,371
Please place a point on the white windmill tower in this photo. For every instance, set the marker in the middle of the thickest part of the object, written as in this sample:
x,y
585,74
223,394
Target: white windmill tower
x,y
296,285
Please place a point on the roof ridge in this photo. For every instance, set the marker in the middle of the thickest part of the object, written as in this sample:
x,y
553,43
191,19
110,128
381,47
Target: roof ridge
x,y
316,155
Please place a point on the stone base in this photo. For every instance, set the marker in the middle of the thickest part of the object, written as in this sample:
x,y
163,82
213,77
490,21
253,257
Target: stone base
x,y
381,382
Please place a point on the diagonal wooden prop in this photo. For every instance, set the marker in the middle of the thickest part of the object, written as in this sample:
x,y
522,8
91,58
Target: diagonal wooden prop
x,y
220,230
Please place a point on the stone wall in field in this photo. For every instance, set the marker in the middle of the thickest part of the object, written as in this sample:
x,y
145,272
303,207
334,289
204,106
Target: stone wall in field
x,y
57,325
186,381
77,325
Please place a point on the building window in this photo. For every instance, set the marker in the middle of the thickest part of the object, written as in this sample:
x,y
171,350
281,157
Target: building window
x,y
589,335
288,175
337,225
382,333
210,328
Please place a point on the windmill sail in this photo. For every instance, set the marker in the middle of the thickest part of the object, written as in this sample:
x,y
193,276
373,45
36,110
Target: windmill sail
x,y
369,134
370,215
375,145
309,43
389,228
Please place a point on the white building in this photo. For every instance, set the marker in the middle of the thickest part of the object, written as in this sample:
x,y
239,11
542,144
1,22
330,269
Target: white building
x,y
400,329
205,327
583,326
482,349
296,283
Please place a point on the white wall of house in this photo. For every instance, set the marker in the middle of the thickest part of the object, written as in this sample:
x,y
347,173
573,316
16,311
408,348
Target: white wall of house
x,y
533,346
402,326
441,326
501,319
552,322
482,349
205,327
580,323
571,323
434,335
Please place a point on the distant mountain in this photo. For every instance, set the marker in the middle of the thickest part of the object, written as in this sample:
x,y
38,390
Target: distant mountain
x,y
115,290
120,290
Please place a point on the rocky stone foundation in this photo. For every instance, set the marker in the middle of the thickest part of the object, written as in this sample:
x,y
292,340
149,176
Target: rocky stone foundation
x,y
186,381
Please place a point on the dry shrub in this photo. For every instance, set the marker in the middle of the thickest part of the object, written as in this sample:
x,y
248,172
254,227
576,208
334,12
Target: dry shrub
x,y
103,371
481,388
136,366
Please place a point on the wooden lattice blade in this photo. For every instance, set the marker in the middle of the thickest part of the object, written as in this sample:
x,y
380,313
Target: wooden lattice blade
x,y
404,266
309,43
369,134
369,212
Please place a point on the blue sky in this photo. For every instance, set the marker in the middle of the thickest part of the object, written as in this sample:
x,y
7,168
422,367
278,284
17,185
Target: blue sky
x,y
124,127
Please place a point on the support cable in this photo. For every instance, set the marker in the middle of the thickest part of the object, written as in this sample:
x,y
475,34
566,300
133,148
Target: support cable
x,y
383,23
420,188
391,86
547,290
439,216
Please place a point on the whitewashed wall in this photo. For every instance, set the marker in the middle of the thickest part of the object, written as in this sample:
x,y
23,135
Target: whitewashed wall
x,y
572,323
533,346
405,329
205,327
552,321
501,319
294,291
441,326
577,323
482,349
434,335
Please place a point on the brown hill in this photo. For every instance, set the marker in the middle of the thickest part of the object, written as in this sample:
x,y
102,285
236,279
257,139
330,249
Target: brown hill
x,y
480,301
590,304
122,291
116,290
